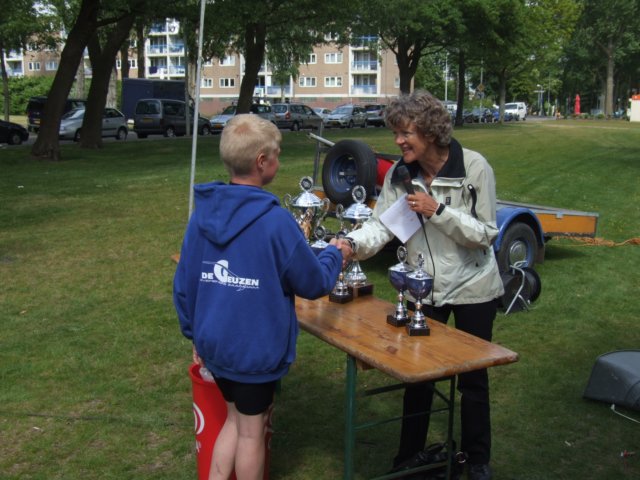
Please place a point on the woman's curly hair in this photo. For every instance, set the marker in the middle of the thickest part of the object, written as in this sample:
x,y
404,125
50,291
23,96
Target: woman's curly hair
x,y
425,111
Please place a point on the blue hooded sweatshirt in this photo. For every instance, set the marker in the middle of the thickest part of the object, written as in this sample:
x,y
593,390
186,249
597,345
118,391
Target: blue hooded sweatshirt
x,y
243,261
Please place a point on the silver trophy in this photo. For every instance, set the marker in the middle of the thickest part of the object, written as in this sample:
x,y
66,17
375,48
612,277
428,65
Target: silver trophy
x,y
320,233
341,292
398,279
307,208
358,213
419,284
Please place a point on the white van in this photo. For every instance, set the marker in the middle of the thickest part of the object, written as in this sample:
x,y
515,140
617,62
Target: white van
x,y
517,109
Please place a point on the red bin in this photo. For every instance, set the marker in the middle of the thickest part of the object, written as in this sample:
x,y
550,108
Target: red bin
x,y
210,412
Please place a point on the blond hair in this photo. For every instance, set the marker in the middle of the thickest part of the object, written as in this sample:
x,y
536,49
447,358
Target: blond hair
x,y
243,139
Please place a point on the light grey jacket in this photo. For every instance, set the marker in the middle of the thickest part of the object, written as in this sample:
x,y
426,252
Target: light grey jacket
x,y
460,238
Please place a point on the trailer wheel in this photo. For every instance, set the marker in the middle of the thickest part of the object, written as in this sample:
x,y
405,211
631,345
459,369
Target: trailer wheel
x,y
518,245
348,163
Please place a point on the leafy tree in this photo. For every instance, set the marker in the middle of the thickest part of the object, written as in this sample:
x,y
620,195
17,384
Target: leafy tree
x,y
21,22
286,28
606,38
410,29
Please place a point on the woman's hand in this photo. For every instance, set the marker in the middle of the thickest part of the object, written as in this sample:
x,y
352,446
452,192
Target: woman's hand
x,y
422,203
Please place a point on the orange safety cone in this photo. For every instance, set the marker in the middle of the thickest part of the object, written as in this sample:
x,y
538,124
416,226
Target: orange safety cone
x,y
210,413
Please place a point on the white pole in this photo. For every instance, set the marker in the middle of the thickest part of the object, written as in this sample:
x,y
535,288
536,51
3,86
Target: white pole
x,y
196,109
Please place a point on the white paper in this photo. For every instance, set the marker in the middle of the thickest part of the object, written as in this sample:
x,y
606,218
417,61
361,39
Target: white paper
x,y
400,219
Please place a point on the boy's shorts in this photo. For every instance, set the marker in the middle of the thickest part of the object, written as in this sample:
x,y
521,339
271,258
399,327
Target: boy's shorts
x,y
249,398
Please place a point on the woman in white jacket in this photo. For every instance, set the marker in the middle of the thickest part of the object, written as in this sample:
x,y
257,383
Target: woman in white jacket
x,y
455,200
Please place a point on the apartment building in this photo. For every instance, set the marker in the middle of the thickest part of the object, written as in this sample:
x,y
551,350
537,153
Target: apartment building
x,y
331,76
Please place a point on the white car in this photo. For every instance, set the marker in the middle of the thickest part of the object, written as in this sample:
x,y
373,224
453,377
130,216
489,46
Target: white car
x,y
517,109
113,124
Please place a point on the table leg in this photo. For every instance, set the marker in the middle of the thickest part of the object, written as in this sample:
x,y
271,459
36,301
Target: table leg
x,y
350,420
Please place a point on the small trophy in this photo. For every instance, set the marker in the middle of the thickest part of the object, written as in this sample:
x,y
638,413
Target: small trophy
x,y
419,284
358,212
398,279
320,233
307,208
341,292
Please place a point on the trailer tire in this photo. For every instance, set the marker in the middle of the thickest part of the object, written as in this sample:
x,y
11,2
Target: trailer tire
x,y
518,244
348,163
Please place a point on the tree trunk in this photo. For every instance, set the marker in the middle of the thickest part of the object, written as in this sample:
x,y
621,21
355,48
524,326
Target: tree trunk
x,y
462,87
124,59
47,145
103,60
502,93
255,41
608,98
140,41
5,84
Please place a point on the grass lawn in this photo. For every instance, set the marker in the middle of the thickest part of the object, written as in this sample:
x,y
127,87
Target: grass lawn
x,y
93,367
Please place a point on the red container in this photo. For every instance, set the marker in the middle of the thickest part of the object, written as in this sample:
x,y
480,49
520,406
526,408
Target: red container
x,y
210,412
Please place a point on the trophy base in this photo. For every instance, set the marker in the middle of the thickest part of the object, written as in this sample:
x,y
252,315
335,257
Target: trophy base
x,y
340,298
414,331
361,290
392,320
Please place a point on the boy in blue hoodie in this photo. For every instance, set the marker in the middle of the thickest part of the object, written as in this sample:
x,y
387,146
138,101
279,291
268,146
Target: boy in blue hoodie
x,y
243,261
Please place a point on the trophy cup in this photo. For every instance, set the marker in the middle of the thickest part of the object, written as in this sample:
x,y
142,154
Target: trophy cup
x,y
398,279
419,284
358,212
320,233
307,208
341,292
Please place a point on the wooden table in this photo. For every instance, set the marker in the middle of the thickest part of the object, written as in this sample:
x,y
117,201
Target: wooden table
x,y
359,329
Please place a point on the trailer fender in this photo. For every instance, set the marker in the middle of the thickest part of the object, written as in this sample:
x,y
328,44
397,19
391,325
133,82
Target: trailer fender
x,y
520,238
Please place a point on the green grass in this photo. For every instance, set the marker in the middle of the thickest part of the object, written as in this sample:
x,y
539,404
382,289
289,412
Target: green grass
x,y
93,367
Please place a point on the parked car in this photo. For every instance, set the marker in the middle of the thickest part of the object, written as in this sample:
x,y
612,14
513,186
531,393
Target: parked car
x,y
479,115
347,116
12,133
375,114
295,116
506,116
517,109
164,117
35,107
323,112
219,121
114,124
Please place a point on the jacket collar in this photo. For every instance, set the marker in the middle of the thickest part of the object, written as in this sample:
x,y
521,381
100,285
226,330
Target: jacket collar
x,y
453,167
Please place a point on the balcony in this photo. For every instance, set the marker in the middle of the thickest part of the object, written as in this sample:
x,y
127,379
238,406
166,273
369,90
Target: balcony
x,y
157,50
15,72
176,48
277,90
364,41
364,66
364,90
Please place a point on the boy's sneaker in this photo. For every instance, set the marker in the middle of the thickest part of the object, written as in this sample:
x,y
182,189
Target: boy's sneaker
x,y
479,471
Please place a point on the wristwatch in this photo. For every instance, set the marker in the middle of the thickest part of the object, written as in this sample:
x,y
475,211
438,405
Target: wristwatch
x,y
352,244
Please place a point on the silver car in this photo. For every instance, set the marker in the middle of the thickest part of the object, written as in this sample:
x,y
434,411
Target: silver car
x,y
296,116
219,121
347,116
114,124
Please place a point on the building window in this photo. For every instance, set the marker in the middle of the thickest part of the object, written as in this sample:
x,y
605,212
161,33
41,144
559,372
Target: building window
x,y
51,66
335,57
133,63
228,61
207,63
332,81
331,37
307,81
396,82
313,58
227,82
34,66
207,83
